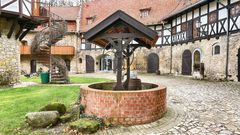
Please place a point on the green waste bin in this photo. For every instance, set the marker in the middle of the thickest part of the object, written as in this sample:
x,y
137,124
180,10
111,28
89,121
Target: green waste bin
x,y
44,78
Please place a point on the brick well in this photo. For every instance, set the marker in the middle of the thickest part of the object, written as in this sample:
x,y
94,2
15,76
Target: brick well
x,y
125,107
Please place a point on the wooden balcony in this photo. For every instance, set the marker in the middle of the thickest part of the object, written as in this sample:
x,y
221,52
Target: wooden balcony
x,y
62,50
55,50
25,50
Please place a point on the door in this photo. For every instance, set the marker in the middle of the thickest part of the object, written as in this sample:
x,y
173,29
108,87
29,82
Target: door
x,y
68,64
187,62
153,63
33,64
238,64
89,64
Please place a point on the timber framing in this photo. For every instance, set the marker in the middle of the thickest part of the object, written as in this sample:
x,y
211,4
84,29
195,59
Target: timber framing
x,y
147,37
214,17
23,15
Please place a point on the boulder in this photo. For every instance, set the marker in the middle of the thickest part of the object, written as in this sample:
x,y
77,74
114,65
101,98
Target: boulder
x,y
85,125
75,110
66,118
61,108
42,119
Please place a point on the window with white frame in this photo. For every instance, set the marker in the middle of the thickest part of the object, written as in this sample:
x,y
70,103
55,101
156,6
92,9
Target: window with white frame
x,y
216,49
145,12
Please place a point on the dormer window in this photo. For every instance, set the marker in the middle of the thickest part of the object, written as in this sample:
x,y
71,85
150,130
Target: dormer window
x,y
90,20
145,12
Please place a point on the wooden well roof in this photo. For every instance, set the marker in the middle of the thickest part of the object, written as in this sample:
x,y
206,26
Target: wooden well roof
x,y
121,23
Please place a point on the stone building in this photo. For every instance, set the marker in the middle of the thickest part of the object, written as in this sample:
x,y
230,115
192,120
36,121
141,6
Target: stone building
x,y
14,25
196,37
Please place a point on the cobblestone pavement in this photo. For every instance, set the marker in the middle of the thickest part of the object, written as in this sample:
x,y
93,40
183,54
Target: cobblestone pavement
x,y
195,108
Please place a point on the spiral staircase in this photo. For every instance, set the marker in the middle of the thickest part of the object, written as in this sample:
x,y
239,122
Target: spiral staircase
x,y
41,49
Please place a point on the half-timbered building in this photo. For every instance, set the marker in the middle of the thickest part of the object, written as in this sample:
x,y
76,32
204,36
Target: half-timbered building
x,y
196,37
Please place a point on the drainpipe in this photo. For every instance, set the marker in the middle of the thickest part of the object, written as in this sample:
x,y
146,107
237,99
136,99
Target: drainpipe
x,y
78,21
228,38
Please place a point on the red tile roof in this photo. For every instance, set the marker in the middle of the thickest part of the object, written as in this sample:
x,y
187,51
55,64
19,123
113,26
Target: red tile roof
x,y
67,13
101,9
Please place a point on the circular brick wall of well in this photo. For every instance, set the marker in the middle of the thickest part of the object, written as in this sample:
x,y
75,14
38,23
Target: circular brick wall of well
x,y
125,107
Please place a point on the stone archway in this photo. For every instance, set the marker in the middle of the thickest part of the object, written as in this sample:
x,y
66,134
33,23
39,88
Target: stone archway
x,y
153,63
105,63
197,60
187,62
238,64
89,64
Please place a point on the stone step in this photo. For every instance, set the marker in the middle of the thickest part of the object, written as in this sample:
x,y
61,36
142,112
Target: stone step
x,y
58,82
57,79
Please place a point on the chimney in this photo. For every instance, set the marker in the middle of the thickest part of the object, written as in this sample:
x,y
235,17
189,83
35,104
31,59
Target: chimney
x,y
36,7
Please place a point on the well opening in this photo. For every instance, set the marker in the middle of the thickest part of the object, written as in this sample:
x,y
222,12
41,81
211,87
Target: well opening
x,y
110,86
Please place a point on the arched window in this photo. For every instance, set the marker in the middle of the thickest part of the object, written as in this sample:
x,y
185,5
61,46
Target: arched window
x,y
80,60
216,50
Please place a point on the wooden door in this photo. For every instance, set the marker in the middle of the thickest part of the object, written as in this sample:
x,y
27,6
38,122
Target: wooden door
x,y
153,63
187,62
238,64
33,66
89,64
68,64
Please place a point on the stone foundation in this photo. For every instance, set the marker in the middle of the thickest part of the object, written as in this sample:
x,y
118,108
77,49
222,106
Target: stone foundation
x,y
10,55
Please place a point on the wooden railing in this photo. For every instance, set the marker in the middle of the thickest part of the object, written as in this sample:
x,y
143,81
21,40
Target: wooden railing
x,y
25,50
62,50
55,50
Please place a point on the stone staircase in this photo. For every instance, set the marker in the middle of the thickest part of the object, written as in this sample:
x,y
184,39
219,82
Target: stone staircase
x,y
57,77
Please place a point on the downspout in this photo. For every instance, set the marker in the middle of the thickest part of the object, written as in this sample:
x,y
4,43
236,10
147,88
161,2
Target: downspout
x,y
228,36
78,20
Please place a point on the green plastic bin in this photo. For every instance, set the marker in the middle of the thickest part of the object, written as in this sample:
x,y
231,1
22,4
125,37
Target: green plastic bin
x,y
44,78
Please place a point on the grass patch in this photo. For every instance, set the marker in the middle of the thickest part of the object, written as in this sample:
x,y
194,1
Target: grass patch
x,y
15,103
73,79
85,80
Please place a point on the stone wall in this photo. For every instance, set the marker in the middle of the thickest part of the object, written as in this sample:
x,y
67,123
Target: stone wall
x,y
10,55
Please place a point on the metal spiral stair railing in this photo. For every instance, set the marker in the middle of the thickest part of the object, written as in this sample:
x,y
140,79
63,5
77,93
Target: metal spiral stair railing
x,y
41,48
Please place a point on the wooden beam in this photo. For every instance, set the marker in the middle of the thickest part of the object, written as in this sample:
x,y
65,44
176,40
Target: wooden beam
x,y
9,35
24,34
8,3
0,7
19,31
20,8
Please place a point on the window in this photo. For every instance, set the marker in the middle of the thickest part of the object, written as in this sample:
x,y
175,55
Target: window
x,y
145,12
80,60
196,28
174,30
88,46
216,49
90,20
184,27
235,9
212,17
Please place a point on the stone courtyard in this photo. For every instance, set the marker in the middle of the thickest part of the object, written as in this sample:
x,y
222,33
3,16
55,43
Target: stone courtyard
x,y
195,108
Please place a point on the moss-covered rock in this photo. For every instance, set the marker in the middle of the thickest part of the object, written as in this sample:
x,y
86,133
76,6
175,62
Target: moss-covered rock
x,y
42,119
85,125
66,118
61,108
